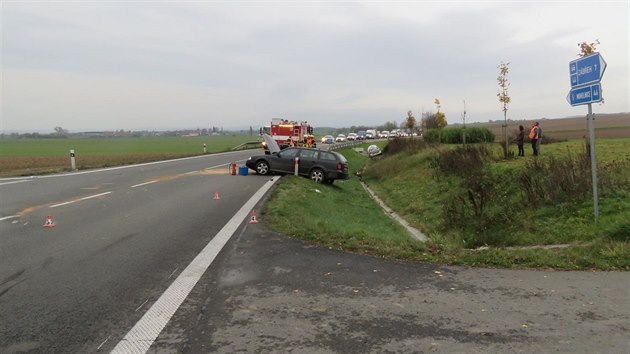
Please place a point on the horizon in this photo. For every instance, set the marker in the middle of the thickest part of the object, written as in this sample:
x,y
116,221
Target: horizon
x,y
255,128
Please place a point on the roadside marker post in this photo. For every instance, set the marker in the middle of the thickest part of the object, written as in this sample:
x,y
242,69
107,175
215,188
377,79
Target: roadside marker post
x,y
73,164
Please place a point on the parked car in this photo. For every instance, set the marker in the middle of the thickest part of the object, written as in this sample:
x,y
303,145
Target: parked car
x,y
340,138
351,137
319,165
328,139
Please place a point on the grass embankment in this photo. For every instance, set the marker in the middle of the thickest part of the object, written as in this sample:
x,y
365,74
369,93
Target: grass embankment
x,y
20,157
476,208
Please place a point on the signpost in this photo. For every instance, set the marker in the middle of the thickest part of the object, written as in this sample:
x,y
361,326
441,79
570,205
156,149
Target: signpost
x,y
586,74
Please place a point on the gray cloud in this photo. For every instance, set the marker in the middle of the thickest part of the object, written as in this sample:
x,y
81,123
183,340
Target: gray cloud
x,y
112,65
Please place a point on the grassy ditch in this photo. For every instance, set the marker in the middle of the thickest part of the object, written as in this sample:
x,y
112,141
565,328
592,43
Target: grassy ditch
x,y
476,208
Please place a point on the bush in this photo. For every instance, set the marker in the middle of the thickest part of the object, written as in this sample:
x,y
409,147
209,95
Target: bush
x,y
455,135
404,145
619,232
552,180
462,161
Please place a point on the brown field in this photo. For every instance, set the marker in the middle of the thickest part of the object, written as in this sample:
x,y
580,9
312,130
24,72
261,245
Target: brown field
x,y
606,126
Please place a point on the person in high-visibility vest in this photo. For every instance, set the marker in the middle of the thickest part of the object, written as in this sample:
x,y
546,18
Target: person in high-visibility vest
x,y
540,137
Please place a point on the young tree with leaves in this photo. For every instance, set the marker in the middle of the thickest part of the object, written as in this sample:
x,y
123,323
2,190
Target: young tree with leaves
x,y
587,48
410,123
504,98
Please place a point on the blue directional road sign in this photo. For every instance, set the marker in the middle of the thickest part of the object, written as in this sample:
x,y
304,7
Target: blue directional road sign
x,y
585,94
587,70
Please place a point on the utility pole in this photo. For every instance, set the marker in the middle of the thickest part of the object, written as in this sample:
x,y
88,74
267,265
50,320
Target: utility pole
x,y
464,120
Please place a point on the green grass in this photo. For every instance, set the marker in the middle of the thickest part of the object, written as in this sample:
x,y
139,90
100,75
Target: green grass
x,y
119,146
343,216
25,157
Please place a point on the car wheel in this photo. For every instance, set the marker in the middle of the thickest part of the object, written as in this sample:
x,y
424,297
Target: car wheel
x,y
317,175
262,168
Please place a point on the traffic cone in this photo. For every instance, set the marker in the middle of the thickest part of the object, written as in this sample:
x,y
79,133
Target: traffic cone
x,y
253,220
49,221
216,196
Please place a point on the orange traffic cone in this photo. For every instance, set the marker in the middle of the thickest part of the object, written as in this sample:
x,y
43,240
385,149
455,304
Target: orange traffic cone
x,y
49,221
253,220
216,196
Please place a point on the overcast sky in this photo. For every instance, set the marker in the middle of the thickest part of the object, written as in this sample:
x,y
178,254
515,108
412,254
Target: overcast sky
x,y
105,65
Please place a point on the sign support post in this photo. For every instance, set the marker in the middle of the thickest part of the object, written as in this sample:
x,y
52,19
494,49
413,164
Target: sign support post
x,y
585,75
591,138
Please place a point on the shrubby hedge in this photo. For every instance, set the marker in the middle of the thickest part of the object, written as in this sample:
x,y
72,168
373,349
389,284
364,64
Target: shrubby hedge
x,y
454,135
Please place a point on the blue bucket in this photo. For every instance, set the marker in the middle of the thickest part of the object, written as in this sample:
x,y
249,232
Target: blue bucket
x,y
242,170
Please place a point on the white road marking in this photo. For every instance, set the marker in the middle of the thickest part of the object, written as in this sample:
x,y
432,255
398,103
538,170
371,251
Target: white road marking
x,y
139,307
140,338
105,341
143,184
170,276
8,217
14,182
80,199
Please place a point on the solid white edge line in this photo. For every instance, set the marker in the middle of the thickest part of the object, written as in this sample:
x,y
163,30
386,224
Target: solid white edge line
x,y
117,167
140,338
80,199
143,184
14,182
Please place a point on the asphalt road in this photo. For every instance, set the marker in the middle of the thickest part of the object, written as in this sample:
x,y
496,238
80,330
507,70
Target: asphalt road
x,y
82,286
120,238
268,293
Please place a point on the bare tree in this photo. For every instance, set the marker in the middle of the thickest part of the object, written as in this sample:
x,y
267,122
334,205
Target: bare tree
x,y
464,120
59,131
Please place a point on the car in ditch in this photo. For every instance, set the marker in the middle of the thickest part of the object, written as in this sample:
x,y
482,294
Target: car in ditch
x,y
319,165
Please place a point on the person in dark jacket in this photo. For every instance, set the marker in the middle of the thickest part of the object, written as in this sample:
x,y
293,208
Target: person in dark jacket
x,y
533,137
520,138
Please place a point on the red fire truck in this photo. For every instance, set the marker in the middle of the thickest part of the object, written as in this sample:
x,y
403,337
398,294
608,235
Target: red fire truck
x,y
288,133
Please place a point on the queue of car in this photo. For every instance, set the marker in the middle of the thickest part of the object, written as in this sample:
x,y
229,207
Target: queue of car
x,y
321,166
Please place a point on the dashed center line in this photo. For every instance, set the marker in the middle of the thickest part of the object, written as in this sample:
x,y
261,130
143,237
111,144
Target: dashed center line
x,y
143,184
9,217
80,199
